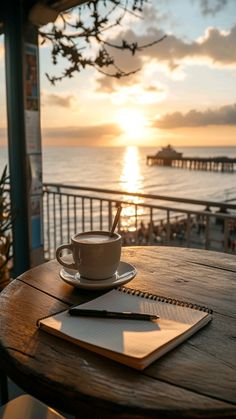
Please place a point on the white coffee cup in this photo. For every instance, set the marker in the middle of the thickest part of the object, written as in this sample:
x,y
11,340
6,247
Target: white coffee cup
x,y
96,254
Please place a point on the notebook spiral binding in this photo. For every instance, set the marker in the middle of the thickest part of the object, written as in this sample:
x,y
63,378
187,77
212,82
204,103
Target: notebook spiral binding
x,y
150,296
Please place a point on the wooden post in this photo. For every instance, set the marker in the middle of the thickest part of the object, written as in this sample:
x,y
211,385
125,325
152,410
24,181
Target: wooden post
x,y
24,136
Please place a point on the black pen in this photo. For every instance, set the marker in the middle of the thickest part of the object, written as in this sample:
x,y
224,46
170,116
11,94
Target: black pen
x,y
111,314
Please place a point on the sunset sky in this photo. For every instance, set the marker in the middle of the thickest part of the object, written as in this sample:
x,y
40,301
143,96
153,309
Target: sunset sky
x,y
184,94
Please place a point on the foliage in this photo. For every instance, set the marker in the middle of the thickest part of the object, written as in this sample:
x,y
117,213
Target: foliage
x,y
5,229
73,35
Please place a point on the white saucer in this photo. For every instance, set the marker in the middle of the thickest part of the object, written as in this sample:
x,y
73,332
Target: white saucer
x,y
124,274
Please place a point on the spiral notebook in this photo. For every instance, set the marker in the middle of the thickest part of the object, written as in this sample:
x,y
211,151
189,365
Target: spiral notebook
x,y
132,342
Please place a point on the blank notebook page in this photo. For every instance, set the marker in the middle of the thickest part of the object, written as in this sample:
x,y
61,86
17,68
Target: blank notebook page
x,y
133,338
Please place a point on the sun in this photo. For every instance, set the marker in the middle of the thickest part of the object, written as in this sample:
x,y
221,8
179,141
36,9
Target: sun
x,y
132,122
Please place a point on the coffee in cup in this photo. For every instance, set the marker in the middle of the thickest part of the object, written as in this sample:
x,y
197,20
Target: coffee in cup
x,y
96,254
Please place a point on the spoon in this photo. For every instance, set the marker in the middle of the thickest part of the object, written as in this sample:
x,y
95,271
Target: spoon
x,y
116,219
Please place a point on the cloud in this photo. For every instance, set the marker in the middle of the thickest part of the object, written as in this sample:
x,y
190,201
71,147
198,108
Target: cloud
x,y
212,7
109,84
215,47
95,135
152,14
127,62
3,135
64,101
218,47
225,115
138,94
89,136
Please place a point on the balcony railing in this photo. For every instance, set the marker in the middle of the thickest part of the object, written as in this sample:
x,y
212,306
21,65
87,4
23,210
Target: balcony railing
x,y
145,220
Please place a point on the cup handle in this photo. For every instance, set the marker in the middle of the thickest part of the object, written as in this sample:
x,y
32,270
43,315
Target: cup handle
x,y
58,256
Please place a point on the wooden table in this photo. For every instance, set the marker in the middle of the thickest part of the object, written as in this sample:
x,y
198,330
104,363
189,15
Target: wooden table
x,y
197,379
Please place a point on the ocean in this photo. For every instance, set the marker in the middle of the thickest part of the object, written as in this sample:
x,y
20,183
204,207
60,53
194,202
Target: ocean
x,y
125,169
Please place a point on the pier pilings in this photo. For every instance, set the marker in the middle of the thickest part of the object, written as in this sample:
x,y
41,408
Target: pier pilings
x,y
216,164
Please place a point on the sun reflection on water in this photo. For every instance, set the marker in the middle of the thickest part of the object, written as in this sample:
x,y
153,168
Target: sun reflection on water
x,y
131,180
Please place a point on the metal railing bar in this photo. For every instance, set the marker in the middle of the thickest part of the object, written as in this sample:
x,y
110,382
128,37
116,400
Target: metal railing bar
x,y
48,220
226,234
101,219
60,217
168,227
68,217
136,216
54,221
91,214
142,195
207,233
75,213
160,207
109,214
188,230
83,217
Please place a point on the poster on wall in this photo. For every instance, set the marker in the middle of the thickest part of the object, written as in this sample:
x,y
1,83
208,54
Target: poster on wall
x,y
33,135
32,112
31,77
33,151
35,174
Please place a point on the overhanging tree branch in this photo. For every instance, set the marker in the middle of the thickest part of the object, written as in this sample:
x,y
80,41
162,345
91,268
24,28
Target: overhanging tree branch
x,y
73,36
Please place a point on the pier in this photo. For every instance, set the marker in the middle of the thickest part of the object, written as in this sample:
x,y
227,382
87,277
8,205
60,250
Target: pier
x,y
169,157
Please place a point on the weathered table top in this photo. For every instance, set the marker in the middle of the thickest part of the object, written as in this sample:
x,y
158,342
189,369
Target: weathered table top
x,y
197,379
